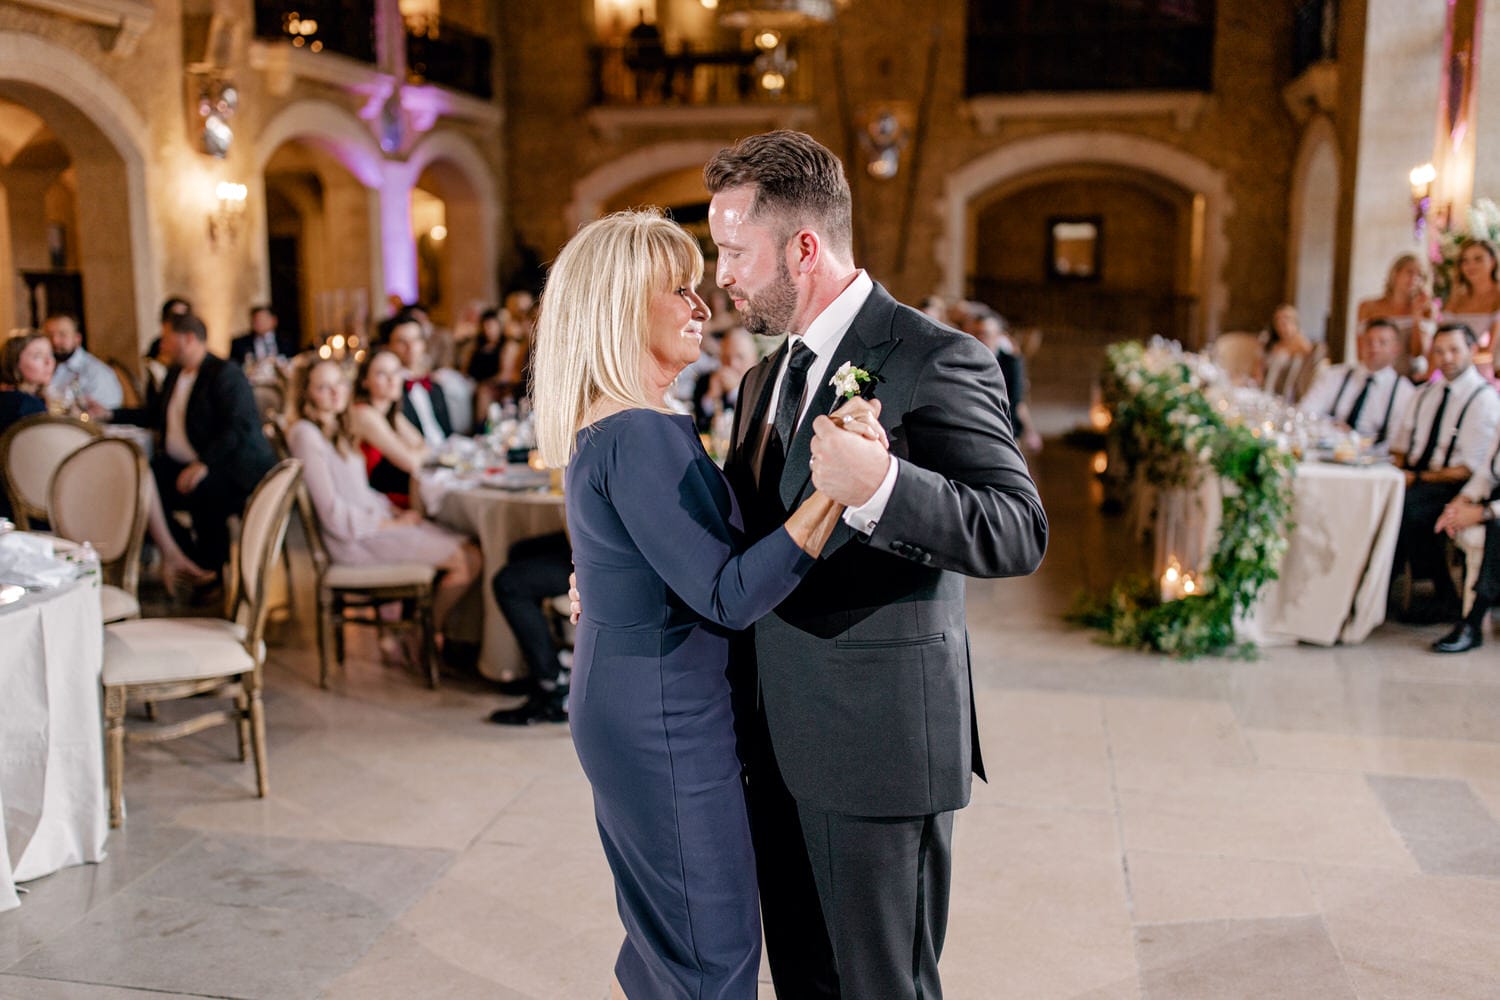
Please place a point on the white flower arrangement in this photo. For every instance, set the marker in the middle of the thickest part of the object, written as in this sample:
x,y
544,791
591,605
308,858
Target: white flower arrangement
x,y
849,380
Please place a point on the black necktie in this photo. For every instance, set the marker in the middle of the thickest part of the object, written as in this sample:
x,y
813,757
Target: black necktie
x,y
788,406
1359,403
1432,434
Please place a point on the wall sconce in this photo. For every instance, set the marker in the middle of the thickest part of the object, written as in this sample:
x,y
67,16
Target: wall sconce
x,y
218,99
1421,179
883,140
224,221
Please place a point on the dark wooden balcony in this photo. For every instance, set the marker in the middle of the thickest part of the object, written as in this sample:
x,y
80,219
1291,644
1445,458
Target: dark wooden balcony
x,y
446,54
696,77
346,27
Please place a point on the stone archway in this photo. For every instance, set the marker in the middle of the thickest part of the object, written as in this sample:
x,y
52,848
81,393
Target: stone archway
x,y
452,167
970,184
595,188
1312,243
106,139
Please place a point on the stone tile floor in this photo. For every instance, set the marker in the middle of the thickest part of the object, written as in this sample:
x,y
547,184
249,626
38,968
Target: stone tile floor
x,y
1318,823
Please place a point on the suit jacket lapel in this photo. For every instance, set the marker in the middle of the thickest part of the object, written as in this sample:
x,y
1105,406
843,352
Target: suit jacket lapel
x,y
757,386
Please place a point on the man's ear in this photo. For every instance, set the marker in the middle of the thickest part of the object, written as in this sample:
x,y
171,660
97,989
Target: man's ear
x,y
803,251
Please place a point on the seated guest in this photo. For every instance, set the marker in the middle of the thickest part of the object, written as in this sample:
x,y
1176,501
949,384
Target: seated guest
x,y
1477,503
92,380
25,372
1369,397
484,359
1475,301
1291,359
263,341
536,569
458,388
213,449
1444,436
1406,304
423,402
393,449
718,391
158,357
359,525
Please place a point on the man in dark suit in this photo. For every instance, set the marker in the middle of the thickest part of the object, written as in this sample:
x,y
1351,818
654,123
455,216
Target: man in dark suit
x,y
423,402
856,705
213,451
263,341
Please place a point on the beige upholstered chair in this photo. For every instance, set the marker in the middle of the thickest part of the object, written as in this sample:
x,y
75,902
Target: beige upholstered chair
x,y
359,588
1238,355
99,495
30,451
162,659
130,391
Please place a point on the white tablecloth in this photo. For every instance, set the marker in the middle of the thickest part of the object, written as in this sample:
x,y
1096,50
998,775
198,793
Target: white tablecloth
x,y
52,791
499,519
1337,568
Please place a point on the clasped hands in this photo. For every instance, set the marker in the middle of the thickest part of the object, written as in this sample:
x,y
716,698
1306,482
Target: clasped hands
x,y
850,452
1460,513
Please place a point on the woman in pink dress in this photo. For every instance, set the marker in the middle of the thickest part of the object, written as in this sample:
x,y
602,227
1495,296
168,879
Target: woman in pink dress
x,y
361,526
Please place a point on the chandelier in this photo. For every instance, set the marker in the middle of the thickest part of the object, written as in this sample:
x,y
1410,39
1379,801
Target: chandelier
x,y
776,13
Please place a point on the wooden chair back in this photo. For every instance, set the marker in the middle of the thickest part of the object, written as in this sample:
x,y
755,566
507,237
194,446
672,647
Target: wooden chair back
x,y
100,495
30,452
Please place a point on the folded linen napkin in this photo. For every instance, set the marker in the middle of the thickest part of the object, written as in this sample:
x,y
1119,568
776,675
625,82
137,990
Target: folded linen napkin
x,y
29,560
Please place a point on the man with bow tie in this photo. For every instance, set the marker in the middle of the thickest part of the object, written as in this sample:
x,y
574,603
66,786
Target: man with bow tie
x,y
423,403
1370,397
1444,437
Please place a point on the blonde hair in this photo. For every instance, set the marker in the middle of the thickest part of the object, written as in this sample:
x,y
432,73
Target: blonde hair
x,y
593,319
1405,260
337,431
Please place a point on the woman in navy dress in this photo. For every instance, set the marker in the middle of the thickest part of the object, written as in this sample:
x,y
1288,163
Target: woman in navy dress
x,y
657,545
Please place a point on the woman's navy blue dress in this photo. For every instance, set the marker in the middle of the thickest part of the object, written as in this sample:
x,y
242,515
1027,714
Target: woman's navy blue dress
x,y
665,577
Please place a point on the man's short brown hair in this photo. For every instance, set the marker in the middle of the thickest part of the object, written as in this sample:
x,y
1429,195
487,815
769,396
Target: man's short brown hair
x,y
796,178
189,324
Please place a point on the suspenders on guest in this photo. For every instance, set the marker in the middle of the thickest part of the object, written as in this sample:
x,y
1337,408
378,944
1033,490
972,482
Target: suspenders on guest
x,y
1431,445
1390,404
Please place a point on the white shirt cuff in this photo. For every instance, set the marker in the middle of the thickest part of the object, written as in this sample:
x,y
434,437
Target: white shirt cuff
x,y
864,517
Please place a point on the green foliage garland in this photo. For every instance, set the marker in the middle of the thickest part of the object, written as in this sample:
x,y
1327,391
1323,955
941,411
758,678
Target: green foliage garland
x,y
1166,428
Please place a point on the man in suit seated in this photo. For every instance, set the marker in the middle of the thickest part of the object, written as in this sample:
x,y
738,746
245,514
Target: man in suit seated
x,y
424,403
535,570
263,341
718,391
1442,439
1370,397
213,451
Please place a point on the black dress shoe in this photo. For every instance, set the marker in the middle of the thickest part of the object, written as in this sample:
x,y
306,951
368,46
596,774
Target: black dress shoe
x,y
538,709
516,686
1463,638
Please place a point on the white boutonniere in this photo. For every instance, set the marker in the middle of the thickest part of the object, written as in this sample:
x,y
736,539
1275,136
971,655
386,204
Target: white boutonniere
x,y
850,381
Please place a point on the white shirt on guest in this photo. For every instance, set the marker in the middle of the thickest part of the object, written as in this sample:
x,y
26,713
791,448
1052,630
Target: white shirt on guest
x,y
1334,393
94,379
1485,478
1470,444
823,336
177,444
427,421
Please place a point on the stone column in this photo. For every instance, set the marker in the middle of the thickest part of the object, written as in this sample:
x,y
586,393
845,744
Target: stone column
x,y
398,247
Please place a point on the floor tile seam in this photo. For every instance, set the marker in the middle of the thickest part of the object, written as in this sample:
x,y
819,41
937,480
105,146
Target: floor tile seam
x,y
118,986
1047,807
327,914
343,841
1339,954
1130,908
196,836
478,838
1226,919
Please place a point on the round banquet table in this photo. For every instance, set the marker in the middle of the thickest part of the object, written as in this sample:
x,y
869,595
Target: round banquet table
x,y
52,790
498,518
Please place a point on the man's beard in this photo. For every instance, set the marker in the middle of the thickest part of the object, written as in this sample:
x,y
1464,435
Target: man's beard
x,y
62,358
770,312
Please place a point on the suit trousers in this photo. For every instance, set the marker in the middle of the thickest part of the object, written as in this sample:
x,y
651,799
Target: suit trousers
x,y
535,570
1417,543
1487,586
210,505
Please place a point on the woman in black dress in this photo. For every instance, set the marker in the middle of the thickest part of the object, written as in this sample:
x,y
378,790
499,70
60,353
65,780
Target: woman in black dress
x,y
666,576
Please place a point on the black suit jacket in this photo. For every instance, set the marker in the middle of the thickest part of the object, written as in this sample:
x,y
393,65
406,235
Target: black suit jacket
x,y
223,424
244,345
439,409
864,669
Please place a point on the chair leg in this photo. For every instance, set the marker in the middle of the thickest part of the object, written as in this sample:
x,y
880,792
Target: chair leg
x,y
429,657
242,724
150,708
325,636
114,752
291,591
258,740
338,631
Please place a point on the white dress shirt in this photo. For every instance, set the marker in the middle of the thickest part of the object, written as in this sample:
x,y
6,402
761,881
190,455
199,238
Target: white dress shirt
x,y
1486,477
93,378
177,444
421,404
823,336
1336,389
1471,398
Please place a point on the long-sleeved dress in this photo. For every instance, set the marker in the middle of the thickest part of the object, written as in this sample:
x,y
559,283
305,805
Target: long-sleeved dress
x,y
353,516
665,578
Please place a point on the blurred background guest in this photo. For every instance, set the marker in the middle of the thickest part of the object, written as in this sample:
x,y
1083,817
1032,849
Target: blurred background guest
x,y
423,401
1370,397
535,570
359,525
484,359
1291,359
718,391
392,446
158,357
1475,301
458,388
1406,304
264,341
25,371
90,381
